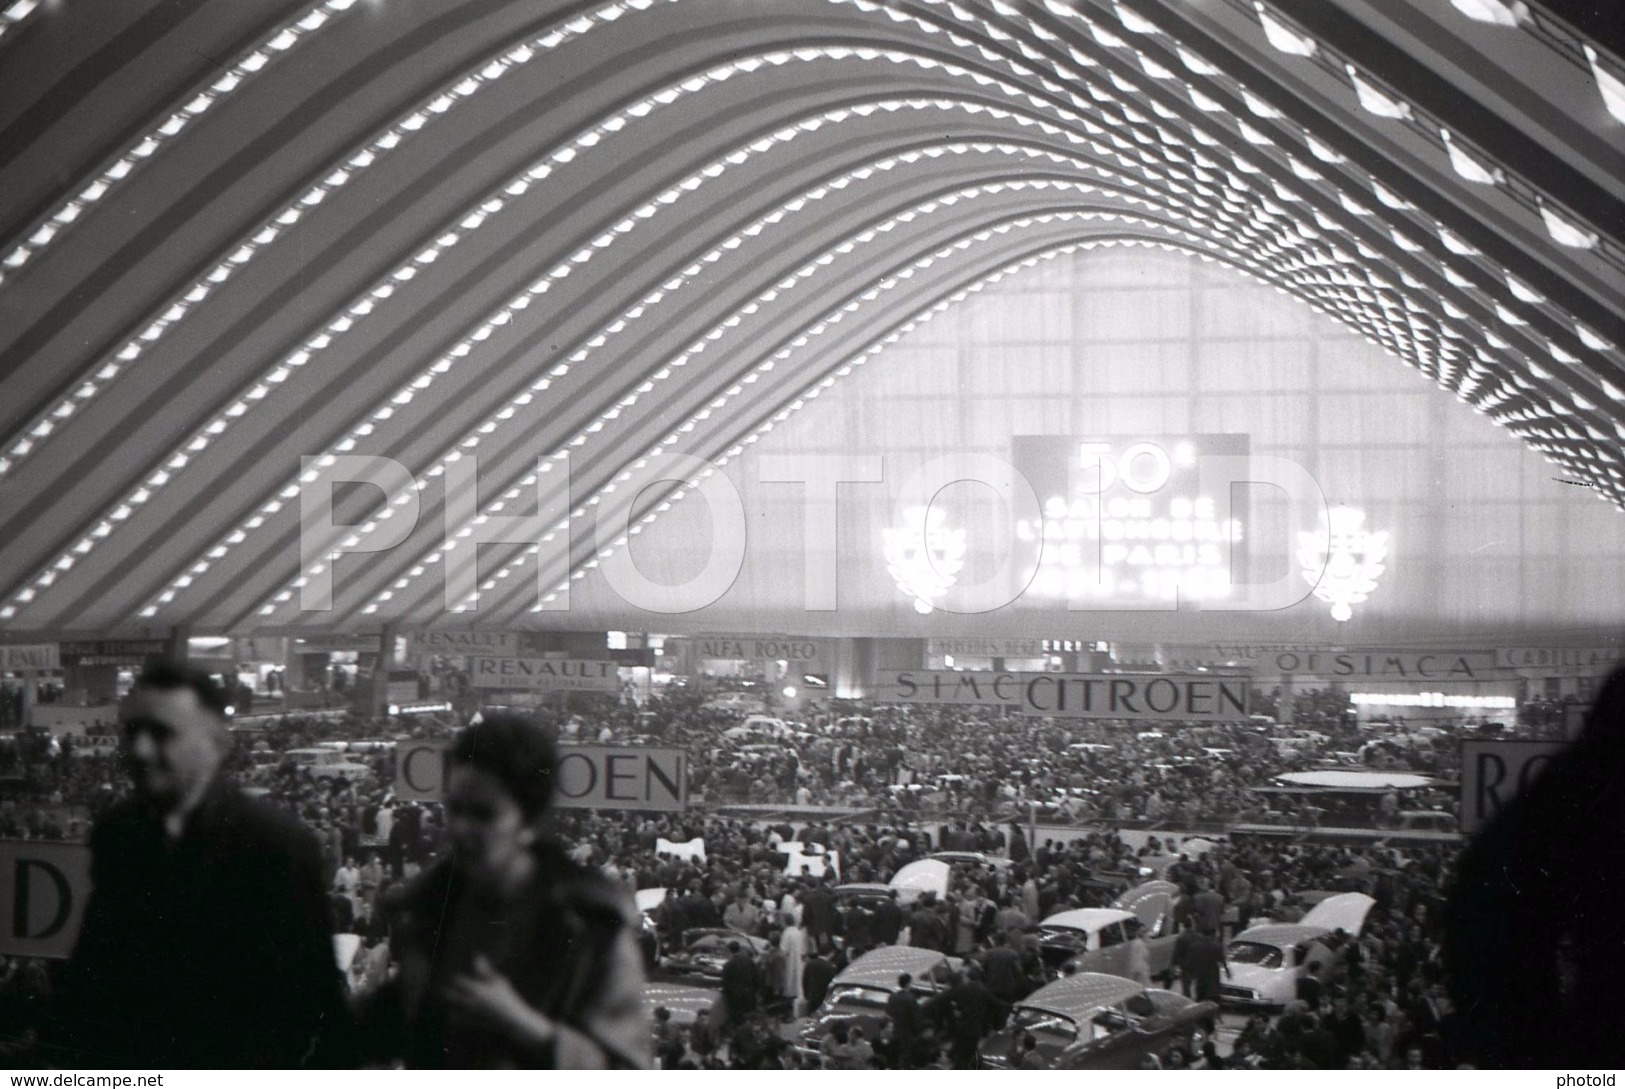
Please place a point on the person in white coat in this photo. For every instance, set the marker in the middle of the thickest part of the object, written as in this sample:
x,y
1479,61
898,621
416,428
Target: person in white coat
x,y
793,947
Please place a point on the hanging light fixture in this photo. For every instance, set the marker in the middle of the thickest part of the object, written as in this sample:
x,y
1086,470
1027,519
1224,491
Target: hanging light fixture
x,y
1342,560
924,558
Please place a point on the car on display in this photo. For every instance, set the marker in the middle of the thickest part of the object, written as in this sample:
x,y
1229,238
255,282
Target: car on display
x,y
969,858
1097,939
739,702
703,952
1267,962
866,893
765,726
857,996
916,879
326,764
1092,1021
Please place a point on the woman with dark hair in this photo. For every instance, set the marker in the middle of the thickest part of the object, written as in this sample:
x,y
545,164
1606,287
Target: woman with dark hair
x,y
510,954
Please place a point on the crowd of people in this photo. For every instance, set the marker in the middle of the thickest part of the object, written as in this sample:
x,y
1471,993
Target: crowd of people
x,y
878,787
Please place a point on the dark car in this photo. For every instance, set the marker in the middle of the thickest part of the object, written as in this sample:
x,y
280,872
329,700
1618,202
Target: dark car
x,y
1092,1021
858,995
703,952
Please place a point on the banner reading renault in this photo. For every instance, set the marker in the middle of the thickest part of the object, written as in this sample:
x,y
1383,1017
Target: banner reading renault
x,y
1141,697
495,644
544,674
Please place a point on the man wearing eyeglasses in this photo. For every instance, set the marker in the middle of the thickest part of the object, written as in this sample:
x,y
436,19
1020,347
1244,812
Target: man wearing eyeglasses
x,y
206,941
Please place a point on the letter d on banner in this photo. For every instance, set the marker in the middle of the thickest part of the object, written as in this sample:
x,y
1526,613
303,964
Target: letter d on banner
x,y
1306,505
43,889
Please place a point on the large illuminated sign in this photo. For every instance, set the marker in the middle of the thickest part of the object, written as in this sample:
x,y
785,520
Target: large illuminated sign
x,y
1124,521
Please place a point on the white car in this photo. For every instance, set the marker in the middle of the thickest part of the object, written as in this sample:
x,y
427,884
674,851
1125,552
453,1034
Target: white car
x,y
1266,962
326,764
1096,940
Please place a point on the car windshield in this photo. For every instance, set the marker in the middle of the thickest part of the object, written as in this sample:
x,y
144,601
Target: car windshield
x,y
1043,1025
711,943
863,998
1065,936
1265,956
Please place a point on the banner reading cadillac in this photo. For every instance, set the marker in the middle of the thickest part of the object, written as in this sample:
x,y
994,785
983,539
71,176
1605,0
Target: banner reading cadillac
x,y
1143,697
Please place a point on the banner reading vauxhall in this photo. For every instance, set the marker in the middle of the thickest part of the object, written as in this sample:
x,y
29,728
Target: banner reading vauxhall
x,y
1143,697
544,674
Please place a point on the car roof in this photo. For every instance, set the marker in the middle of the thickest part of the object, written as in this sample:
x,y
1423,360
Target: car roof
x,y
1346,911
881,967
1282,934
1079,995
1087,918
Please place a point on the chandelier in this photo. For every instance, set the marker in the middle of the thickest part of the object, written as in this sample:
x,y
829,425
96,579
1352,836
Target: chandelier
x,y
1343,560
923,558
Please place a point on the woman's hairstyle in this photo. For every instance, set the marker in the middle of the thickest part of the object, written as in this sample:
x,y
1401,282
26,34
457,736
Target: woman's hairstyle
x,y
518,753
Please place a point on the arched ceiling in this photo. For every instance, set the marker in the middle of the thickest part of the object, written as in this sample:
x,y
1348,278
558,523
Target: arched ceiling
x,y
441,231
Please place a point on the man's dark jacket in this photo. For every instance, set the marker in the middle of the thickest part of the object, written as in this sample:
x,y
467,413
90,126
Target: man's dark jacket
x,y
211,951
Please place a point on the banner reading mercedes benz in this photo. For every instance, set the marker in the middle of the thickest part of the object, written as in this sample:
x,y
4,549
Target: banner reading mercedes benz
x,y
1144,697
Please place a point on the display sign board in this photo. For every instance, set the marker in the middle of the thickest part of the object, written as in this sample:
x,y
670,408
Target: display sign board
x,y
29,658
692,850
588,776
1495,772
1559,661
1143,697
1395,665
336,643
490,644
43,890
989,648
1125,523
130,652
786,648
544,674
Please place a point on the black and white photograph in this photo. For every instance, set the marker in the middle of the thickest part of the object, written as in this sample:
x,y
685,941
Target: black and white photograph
x,y
811,535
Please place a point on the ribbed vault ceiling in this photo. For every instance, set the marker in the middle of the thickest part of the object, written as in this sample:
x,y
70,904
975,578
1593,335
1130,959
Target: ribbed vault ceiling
x,y
235,235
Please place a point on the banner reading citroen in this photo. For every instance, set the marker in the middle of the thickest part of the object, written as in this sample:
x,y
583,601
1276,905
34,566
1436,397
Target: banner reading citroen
x,y
1141,697
588,776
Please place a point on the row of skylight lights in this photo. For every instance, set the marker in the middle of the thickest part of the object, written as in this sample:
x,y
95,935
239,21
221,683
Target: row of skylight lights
x,y
815,388
470,82
15,13
701,344
776,292
779,58
1463,161
801,341
51,226
642,109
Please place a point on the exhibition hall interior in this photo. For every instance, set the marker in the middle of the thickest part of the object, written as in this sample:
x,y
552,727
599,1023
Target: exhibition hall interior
x,y
1011,534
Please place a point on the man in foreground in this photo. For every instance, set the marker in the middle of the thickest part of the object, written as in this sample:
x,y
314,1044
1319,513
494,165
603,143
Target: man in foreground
x,y
206,941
